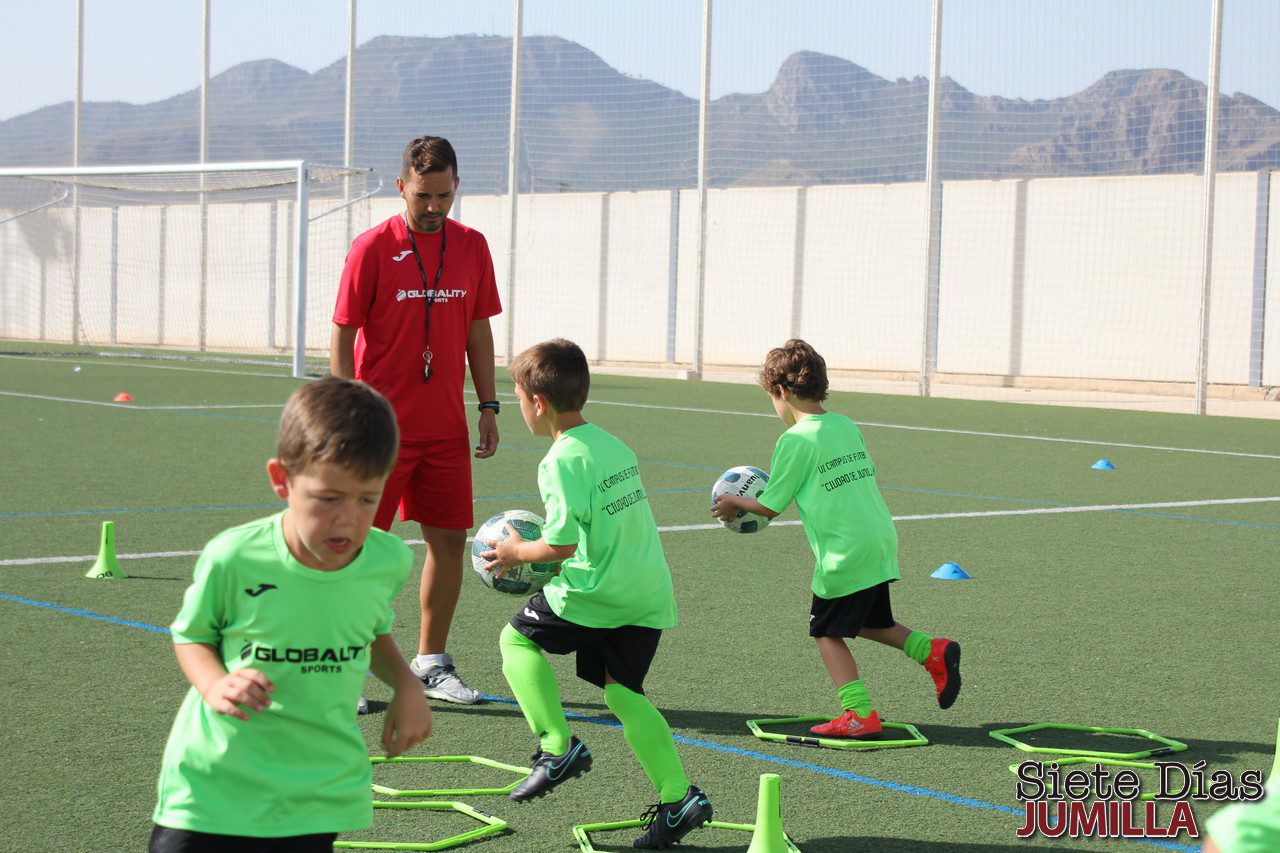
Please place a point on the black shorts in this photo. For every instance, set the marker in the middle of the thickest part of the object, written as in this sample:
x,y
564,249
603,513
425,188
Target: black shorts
x,y
625,652
166,840
847,615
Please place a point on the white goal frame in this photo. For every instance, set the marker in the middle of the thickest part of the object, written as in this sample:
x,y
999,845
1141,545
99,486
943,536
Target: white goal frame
x,y
302,172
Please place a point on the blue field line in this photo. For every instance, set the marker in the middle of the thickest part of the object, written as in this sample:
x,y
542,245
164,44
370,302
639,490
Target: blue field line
x,y
535,496
889,488
88,614
1195,518
914,790
272,421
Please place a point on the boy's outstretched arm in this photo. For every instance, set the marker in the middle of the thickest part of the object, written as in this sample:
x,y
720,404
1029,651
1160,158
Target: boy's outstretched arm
x,y
729,505
408,718
224,691
515,550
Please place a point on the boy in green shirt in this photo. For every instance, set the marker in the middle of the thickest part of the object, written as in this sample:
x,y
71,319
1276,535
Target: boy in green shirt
x,y
609,604
275,633
821,463
1248,827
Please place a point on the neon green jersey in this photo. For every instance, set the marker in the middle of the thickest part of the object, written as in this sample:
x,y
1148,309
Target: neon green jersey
x,y
300,766
1249,827
822,464
591,487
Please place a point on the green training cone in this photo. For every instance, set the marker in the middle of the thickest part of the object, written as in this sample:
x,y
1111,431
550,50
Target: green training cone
x,y
107,565
768,836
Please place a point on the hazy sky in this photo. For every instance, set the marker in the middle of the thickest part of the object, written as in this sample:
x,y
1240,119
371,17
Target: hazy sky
x,y
145,50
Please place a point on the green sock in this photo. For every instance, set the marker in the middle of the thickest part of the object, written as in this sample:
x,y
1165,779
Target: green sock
x,y
533,682
649,737
917,646
854,697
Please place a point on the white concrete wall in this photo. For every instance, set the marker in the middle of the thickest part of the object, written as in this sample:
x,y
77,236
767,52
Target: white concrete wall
x,y
981,280
1086,278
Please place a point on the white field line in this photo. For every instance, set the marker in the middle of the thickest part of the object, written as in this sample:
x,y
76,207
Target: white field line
x,y
952,431
212,406
695,410
681,528
139,407
134,363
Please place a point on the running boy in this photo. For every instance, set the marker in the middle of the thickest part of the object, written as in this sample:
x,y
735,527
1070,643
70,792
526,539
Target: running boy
x,y
609,604
821,463
275,633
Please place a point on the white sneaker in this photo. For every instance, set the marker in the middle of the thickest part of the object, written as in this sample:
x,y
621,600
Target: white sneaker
x,y
362,707
441,681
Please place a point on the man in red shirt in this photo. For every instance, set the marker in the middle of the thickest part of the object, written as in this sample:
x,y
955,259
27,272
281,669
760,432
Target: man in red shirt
x,y
413,309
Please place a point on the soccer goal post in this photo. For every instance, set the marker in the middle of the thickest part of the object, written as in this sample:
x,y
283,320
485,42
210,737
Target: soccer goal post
x,y
225,260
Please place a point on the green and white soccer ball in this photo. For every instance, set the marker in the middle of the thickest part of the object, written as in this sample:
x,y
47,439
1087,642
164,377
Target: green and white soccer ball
x,y
524,579
745,482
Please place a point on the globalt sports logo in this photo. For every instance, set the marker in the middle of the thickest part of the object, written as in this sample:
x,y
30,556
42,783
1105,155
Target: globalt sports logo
x,y
312,659
1099,803
440,295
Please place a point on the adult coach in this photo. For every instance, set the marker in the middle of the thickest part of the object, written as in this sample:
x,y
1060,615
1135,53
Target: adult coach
x,y
413,309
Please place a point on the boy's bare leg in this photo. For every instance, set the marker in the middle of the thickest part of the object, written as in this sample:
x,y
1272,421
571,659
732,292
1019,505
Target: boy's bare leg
x,y
939,656
857,719
895,636
838,660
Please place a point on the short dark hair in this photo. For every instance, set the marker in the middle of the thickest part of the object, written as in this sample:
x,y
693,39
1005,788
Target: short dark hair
x,y
340,421
798,368
428,154
557,370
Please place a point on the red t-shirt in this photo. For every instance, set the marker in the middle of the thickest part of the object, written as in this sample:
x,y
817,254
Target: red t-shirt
x,y
382,294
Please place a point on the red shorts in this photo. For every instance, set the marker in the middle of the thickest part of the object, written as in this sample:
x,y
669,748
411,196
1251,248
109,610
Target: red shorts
x,y
431,484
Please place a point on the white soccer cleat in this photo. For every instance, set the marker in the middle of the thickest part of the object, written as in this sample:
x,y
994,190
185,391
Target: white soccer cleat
x,y
441,681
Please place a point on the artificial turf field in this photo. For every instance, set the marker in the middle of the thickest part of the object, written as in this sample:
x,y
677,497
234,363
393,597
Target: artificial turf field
x,y
1160,618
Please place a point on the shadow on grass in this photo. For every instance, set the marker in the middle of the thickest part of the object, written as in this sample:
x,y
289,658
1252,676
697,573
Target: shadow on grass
x,y
698,841
723,723
866,843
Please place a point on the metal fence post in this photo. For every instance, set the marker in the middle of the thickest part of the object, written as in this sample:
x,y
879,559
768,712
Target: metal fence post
x,y
933,234
1210,176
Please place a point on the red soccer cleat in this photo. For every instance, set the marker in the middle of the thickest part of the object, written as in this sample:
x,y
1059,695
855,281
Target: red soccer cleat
x,y
943,664
849,724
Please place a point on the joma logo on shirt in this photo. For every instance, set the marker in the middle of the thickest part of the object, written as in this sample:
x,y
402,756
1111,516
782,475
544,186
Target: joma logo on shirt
x,y
400,257
444,295
269,654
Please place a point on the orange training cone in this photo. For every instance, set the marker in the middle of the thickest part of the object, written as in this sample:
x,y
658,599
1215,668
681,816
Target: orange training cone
x,y
122,397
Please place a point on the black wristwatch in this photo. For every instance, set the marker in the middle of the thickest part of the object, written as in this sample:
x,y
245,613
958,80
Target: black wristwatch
x,y
489,404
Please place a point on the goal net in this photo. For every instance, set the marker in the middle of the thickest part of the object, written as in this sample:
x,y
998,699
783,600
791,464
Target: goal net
x,y
234,260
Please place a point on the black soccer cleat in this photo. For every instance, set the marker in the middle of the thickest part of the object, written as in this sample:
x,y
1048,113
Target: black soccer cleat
x,y
550,770
669,822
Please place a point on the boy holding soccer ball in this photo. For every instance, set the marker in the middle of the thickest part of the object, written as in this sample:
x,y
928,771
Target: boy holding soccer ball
x,y
821,463
609,604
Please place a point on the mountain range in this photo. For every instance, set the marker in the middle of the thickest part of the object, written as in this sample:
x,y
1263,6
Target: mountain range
x,y
587,126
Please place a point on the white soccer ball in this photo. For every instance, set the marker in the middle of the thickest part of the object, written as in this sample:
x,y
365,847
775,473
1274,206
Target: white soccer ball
x,y
524,579
745,482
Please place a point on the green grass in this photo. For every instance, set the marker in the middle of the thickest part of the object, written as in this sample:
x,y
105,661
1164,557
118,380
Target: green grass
x,y
1117,618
